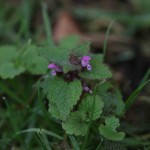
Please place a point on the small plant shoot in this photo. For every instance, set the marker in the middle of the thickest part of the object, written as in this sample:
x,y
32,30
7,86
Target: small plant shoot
x,y
70,86
71,75
74,75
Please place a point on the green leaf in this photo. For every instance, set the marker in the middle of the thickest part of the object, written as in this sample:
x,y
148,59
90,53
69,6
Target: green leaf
x,y
113,102
97,58
86,106
109,129
33,62
64,95
99,70
7,53
62,53
57,55
112,122
81,49
9,70
76,124
53,109
45,85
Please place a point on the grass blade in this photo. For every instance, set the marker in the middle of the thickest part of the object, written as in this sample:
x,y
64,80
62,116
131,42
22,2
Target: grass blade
x,y
43,141
74,142
47,24
106,38
131,99
14,123
146,76
7,91
37,130
99,145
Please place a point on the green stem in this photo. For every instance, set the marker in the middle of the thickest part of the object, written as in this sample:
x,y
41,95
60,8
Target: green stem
x,y
90,123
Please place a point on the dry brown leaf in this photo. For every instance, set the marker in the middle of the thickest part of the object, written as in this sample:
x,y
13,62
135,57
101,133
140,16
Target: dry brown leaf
x,y
65,26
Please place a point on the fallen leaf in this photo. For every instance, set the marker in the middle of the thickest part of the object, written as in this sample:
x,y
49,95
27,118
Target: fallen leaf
x,y
65,26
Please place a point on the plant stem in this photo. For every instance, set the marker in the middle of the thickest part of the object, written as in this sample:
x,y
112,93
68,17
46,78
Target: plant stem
x,y
90,123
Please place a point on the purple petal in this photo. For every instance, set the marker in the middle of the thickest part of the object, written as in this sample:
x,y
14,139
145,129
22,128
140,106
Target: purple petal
x,y
52,66
89,67
84,63
86,58
86,88
53,72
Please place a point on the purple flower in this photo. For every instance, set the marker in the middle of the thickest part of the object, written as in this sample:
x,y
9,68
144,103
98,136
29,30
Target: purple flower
x,y
85,62
87,89
89,67
52,66
55,68
53,72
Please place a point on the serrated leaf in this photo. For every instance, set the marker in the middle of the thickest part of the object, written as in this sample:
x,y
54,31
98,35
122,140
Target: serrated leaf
x,y
87,104
61,54
113,103
76,124
33,62
82,49
53,110
99,71
109,129
57,55
64,94
112,122
45,85
7,53
97,58
9,70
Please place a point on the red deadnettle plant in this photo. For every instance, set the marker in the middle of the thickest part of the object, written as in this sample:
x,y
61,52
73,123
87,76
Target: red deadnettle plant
x,y
78,92
74,82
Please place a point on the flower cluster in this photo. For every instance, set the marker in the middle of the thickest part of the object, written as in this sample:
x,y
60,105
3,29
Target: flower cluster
x,y
85,62
55,68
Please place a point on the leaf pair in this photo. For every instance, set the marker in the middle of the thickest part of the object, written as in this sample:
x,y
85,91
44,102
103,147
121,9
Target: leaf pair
x,y
77,123
61,54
